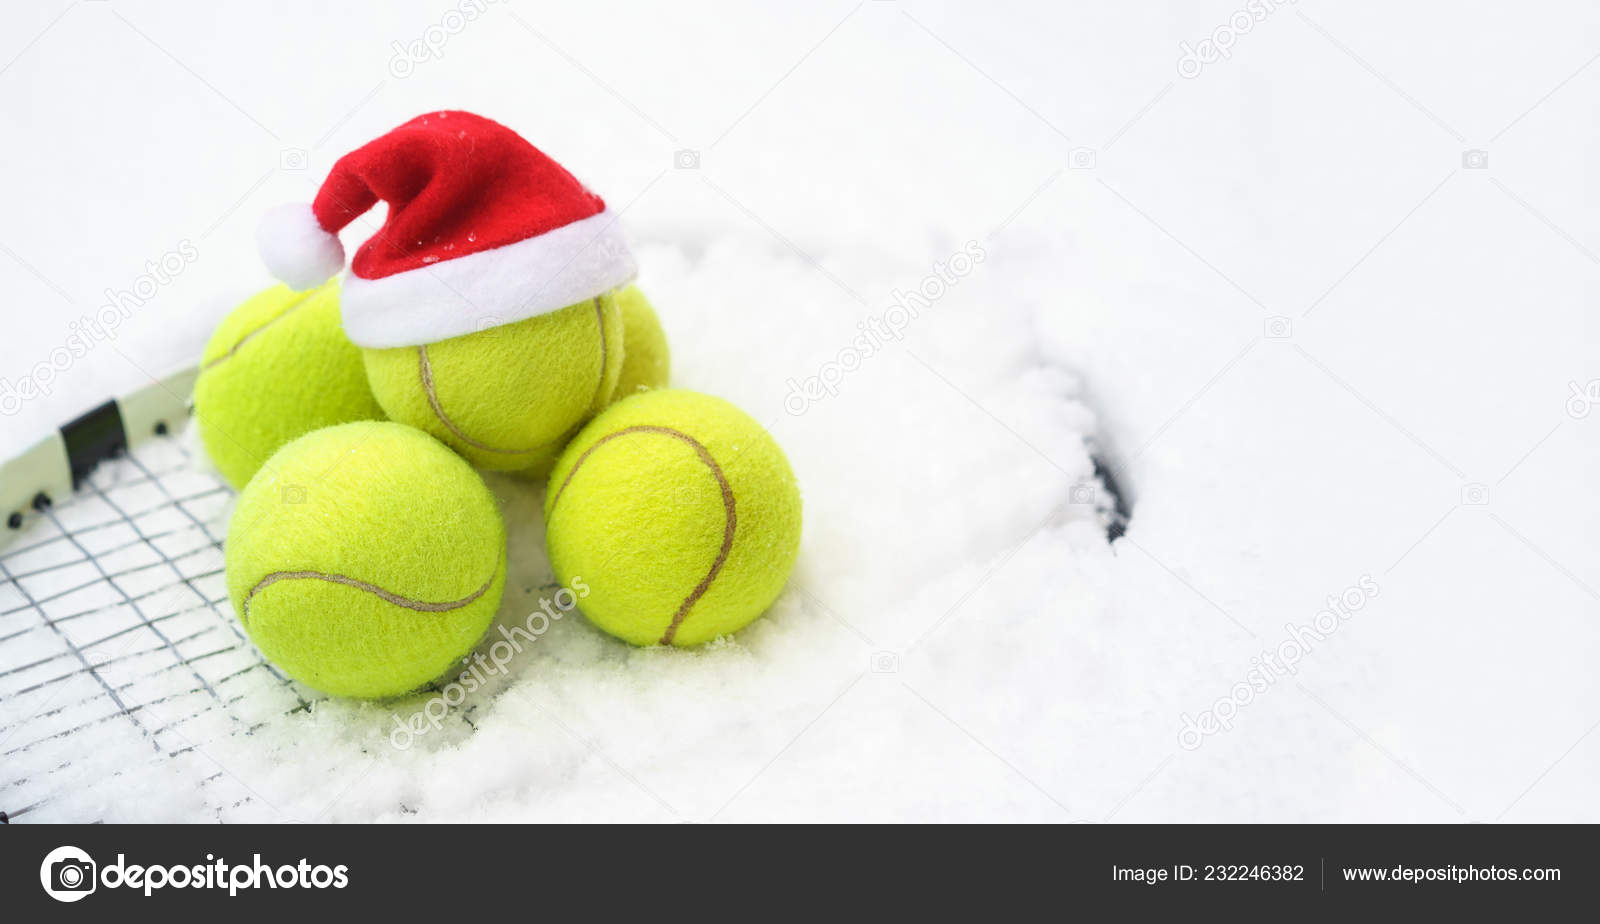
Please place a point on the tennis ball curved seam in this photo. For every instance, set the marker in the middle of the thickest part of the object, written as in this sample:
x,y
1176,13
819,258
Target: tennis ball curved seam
x,y
425,374
421,606
730,523
368,585
275,368
299,303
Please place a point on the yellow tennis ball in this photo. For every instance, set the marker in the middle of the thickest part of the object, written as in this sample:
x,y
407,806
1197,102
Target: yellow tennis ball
x,y
366,559
680,514
646,361
538,471
507,395
277,367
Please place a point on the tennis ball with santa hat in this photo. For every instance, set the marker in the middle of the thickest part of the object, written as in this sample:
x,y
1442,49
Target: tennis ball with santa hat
x,y
485,306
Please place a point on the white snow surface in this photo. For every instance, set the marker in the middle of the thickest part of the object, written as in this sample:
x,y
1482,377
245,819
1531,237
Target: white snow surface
x,y
1321,352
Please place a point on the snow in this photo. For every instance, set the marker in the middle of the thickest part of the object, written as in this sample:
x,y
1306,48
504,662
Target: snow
x,y
959,641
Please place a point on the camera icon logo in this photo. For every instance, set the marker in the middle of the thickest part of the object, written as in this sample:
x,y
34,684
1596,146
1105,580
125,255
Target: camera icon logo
x,y
1277,328
293,493
885,662
1081,494
1081,158
1475,159
295,159
67,874
1475,494
686,159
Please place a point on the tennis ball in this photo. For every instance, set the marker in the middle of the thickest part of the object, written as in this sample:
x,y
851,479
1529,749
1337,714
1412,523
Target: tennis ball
x,y
366,559
277,367
506,395
538,471
646,361
679,512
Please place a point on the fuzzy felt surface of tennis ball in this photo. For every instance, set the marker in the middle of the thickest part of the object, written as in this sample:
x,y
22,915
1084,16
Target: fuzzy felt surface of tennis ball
x,y
366,559
506,396
538,471
680,514
646,360
277,367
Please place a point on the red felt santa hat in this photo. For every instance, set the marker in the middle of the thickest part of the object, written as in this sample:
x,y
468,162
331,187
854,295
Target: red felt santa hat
x,y
483,230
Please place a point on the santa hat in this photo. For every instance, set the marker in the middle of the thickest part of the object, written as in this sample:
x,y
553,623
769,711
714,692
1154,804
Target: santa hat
x,y
483,230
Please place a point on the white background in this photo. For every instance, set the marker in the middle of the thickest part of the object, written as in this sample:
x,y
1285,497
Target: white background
x,y
1303,326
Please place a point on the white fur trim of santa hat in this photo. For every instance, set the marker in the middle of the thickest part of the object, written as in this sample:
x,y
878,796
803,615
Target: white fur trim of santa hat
x,y
467,294
296,248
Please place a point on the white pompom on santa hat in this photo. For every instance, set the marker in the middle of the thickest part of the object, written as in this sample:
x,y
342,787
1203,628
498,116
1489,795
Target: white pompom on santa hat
x,y
483,229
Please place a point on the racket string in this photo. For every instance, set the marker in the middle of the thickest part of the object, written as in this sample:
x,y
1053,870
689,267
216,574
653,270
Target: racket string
x,y
94,575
